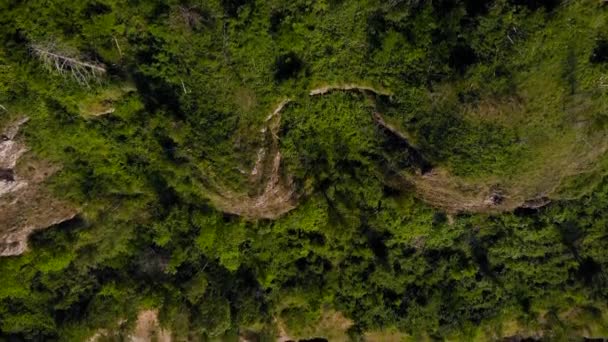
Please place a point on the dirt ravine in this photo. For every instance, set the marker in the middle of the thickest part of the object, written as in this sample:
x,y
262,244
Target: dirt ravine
x,y
442,190
282,332
25,204
437,186
454,195
271,193
274,193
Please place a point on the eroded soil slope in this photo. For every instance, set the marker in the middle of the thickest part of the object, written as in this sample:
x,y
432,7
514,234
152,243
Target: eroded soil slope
x,y
270,193
274,193
25,204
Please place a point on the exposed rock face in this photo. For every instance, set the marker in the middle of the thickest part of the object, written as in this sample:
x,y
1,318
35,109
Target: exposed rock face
x,y
25,205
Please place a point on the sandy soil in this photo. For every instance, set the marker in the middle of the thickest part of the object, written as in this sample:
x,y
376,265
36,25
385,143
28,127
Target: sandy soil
x,y
147,328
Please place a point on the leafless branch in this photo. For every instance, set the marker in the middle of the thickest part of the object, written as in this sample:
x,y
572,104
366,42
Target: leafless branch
x,y
184,86
81,71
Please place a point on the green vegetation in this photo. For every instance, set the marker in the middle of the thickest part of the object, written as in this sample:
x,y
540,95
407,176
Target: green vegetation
x,y
155,111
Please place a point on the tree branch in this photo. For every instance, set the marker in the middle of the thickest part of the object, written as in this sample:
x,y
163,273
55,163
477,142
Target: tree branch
x,y
81,71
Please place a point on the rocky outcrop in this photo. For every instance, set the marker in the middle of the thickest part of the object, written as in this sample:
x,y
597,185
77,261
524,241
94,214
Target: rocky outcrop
x,y
25,204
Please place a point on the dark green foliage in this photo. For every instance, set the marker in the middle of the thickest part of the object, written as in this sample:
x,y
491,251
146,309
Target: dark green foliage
x,y
231,7
537,4
461,56
600,51
287,66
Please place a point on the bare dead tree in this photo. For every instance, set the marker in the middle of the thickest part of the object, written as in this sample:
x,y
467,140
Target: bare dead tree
x,y
65,63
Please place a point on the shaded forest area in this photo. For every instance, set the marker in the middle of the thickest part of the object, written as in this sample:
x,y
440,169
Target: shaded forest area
x,y
154,114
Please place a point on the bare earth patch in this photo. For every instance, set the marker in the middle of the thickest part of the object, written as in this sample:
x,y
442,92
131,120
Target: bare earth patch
x,y
272,193
332,326
348,87
25,204
283,336
532,188
148,329
454,195
385,336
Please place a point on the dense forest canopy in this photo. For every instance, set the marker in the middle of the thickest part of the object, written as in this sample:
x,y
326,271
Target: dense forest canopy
x,y
343,170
